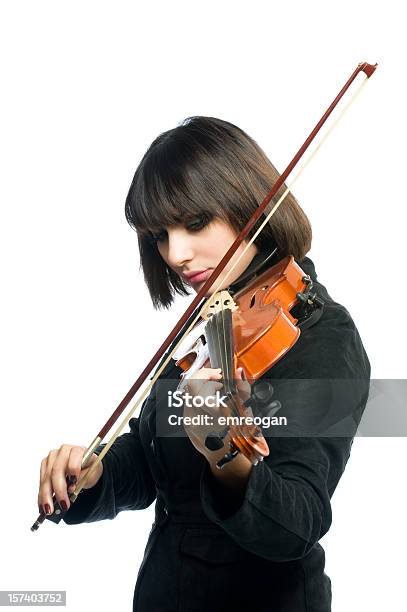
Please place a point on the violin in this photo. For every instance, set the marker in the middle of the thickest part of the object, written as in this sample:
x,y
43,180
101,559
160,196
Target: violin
x,y
253,329
252,320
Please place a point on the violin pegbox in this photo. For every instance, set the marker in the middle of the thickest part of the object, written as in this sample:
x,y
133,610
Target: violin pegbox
x,y
222,300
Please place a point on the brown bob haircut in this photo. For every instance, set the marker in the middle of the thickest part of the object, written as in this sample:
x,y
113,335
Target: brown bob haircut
x,y
206,168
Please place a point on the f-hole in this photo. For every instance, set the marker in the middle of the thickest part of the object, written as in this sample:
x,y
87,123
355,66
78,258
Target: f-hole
x,y
253,300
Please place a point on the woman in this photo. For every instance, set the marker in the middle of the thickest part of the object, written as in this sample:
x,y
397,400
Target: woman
x,y
244,536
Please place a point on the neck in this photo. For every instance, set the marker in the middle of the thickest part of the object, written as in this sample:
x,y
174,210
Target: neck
x,y
260,262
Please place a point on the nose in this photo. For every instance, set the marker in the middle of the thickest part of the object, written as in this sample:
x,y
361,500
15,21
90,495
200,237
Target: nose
x,y
179,247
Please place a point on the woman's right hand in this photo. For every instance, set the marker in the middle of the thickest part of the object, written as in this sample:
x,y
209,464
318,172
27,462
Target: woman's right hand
x,y
60,464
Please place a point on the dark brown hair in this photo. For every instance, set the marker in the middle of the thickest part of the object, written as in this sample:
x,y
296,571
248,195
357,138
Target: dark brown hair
x,y
206,167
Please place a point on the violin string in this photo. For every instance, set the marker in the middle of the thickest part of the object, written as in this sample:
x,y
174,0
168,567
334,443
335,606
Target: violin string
x,y
217,331
235,402
221,334
220,282
224,331
223,343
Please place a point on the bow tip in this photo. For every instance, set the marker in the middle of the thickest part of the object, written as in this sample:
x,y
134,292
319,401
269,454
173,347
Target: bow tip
x,y
368,69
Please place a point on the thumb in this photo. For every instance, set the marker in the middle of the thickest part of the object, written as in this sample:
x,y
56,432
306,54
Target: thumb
x,y
240,374
243,385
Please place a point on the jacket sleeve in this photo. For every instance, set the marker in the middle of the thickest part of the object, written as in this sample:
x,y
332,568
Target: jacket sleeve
x,y
286,507
126,482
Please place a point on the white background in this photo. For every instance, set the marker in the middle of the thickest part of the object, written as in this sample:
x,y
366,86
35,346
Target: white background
x,y
86,87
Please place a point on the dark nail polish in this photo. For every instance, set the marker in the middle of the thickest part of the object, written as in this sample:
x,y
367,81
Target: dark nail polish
x,y
47,509
63,505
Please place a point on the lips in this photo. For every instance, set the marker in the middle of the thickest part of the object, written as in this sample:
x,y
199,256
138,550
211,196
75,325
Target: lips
x,y
199,277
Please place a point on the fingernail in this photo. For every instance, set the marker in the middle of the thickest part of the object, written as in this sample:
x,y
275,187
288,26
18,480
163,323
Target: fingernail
x,y
63,505
47,509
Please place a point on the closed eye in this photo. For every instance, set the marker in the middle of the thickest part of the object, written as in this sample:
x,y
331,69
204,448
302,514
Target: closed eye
x,y
194,224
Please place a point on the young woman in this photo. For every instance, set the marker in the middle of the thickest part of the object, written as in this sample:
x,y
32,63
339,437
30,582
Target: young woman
x,y
244,536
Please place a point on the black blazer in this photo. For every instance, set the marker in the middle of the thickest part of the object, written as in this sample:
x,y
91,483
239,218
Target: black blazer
x,y
209,552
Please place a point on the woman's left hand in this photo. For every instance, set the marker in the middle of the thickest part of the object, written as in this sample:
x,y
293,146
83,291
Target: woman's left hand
x,y
205,384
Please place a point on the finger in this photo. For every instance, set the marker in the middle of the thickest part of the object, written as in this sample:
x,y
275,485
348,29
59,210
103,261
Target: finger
x,y
244,389
41,490
239,373
46,492
210,387
58,476
200,388
95,472
194,384
242,385
193,387
74,466
210,401
208,374
43,469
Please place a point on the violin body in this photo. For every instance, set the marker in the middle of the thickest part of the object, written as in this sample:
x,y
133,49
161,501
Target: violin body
x,y
263,328
253,329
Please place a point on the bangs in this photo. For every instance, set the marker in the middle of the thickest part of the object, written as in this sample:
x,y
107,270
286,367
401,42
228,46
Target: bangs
x,y
178,180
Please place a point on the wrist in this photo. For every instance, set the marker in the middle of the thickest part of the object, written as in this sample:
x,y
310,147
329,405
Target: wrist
x,y
233,475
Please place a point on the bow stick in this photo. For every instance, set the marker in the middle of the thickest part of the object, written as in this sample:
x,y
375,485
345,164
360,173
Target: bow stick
x,y
368,70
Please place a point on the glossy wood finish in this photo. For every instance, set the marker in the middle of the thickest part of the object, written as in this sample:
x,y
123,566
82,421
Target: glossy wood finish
x,y
264,330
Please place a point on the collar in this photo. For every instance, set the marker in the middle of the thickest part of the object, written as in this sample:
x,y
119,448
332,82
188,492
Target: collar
x,y
308,266
260,262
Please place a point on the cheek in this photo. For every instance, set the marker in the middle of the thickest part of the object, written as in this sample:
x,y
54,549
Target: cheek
x,y
218,243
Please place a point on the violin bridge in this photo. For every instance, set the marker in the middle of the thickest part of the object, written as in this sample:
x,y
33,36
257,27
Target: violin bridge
x,y
216,303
